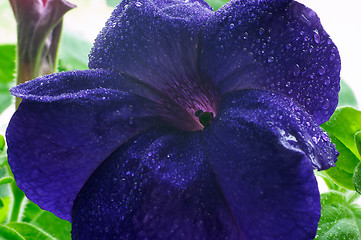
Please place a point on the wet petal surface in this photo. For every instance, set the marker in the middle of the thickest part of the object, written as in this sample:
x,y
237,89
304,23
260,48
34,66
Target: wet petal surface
x,y
263,165
158,186
274,45
157,43
59,135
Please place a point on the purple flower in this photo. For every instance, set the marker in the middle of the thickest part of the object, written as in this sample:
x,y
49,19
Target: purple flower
x,y
189,124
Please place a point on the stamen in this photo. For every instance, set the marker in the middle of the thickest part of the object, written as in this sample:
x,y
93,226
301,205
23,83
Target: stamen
x,y
205,118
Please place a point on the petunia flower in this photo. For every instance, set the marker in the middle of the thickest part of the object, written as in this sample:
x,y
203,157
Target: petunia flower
x,y
190,124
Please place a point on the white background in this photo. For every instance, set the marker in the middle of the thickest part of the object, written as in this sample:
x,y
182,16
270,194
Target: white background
x,y
342,21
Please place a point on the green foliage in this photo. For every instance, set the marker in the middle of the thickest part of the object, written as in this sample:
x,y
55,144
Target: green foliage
x,y
73,52
346,96
357,178
340,217
112,3
7,70
216,4
342,127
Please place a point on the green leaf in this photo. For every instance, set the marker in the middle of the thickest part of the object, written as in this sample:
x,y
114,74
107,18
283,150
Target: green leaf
x,y
5,180
7,233
4,210
216,4
358,142
2,143
29,231
357,178
342,127
346,96
112,3
7,70
344,124
47,221
73,52
340,219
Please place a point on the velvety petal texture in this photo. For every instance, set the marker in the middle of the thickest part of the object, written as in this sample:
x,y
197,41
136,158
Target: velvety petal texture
x,y
277,45
158,44
159,186
237,179
261,151
67,124
121,146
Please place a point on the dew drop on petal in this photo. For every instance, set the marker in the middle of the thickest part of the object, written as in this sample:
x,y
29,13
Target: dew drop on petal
x,y
270,59
332,56
327,81
138,4
326,104
296,70
288,46
321,71
245,35
315,139
231,25
261,31
316,36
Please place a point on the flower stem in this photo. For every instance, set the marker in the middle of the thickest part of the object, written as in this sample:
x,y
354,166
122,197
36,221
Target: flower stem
x,y
18,197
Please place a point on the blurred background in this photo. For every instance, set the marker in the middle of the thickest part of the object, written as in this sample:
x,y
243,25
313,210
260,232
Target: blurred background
x,y
341,19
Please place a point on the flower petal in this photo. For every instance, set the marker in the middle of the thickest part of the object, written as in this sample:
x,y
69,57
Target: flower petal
x,y
157,43
154,42
158,186
260,147
274,45
67,124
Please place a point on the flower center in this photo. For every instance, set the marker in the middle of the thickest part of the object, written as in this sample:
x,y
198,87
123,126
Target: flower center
x,y
205,118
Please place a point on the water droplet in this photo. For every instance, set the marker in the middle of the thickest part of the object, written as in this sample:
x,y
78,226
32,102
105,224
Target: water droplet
x,y
288,84
261,31
325,136
327,81
316,36
321,71
245,35
127,23
296,70
271,59
138,4
315,139
231,25
288,46
326,104
332,56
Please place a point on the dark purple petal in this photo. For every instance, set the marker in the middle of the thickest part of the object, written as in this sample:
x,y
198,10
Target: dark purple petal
x,y
261,147
157,43
277,45
158,186
67,124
